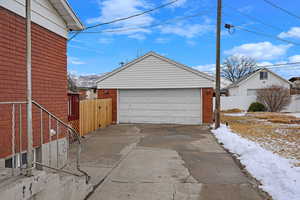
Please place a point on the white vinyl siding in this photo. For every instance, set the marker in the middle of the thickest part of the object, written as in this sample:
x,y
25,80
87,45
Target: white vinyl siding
x,y
153,72
175,106
43,14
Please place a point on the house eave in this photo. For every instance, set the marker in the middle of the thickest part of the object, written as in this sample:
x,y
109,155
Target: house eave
x,y
67,13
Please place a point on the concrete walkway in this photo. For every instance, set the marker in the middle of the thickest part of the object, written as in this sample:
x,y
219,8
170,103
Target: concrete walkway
x,y
167,162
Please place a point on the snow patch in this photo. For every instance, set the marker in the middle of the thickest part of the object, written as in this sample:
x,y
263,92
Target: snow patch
x,y
295,114
235,114
277,174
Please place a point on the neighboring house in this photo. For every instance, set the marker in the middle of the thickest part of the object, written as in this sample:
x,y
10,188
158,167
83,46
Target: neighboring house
x,y
51,22
155,89
87,92
256,80
295,85
86,85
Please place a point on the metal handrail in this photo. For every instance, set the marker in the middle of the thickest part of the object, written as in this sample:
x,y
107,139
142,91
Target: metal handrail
x,y
77,137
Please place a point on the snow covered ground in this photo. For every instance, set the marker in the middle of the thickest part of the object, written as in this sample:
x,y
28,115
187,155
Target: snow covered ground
x,y
279,177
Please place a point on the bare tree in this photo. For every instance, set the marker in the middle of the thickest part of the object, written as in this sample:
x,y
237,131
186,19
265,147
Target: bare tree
x,y
237,67
275,98
71,84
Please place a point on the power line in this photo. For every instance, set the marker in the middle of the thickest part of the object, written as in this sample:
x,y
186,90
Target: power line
x,y
266,35
150,26
294,65
124,18
280,64
255,19
282,9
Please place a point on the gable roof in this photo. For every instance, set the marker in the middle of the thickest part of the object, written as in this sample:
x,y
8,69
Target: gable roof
x,y
151,53
66,12
248,76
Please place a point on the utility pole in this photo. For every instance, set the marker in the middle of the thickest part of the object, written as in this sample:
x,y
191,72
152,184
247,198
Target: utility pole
x,y
29,90
218,66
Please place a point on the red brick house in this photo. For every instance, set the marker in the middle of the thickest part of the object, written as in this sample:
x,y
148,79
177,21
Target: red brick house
x,y
51,22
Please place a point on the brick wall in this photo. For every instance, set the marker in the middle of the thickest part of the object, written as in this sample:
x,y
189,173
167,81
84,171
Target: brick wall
x,y
49,76
207,105
110,93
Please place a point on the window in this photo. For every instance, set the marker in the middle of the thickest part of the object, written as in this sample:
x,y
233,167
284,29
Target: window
x,y
263,75
251,92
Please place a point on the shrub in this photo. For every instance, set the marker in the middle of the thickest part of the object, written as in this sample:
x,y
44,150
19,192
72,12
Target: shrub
x,y
257,107
275,98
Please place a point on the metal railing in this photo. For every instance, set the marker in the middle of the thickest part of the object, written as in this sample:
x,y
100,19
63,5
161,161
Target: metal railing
x,y
52,136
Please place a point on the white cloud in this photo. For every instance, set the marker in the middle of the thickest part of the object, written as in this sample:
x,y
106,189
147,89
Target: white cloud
x,y
264,63
259,51
176,4
294,32
85,48
115,9
75,61
137,36
161,40
209,68
294,58
191,43
246,9
105,40
187,30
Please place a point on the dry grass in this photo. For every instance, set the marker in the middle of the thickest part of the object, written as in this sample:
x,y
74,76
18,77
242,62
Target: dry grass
x,y
275,132
276,118
235,110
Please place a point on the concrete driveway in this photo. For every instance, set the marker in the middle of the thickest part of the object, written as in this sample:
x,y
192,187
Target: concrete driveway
x,y
167,162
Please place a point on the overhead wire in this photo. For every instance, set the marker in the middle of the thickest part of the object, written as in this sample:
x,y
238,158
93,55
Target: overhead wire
x,y
169,21
122,19
266,35
282,9
294,65
254,18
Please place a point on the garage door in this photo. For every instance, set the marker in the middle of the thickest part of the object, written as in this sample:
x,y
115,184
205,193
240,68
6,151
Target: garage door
x,y
175,106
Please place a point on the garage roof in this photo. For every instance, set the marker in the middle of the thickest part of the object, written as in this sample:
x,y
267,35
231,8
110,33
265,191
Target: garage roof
x,y
155,71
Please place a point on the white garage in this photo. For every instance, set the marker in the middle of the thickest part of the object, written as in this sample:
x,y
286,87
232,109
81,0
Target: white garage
x,y
175,106
155,89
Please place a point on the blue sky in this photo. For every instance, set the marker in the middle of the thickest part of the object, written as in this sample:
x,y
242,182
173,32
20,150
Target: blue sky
x,y
190,41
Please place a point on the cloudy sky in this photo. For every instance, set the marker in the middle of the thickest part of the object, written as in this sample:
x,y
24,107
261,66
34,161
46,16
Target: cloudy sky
x,y
184,32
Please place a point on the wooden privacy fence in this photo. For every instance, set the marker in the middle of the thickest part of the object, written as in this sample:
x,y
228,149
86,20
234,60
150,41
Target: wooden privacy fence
x,y
94,114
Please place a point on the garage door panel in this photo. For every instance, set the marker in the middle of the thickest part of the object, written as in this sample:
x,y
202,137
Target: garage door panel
x,y
162,120
179,106
160,100
159,93
157,106
158,113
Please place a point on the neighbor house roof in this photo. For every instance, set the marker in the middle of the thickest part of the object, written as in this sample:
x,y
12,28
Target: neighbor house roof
x,y
242,80
294,79
151,53
66,12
